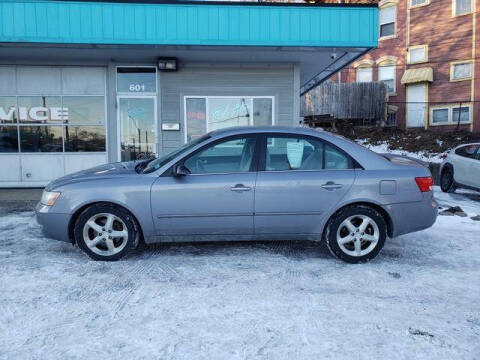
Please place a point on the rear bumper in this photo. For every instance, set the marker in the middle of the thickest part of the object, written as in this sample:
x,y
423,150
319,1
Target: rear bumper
x,y
54,225
413,216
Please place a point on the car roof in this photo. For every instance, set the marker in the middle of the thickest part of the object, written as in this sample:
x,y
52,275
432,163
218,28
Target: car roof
x,y
262,129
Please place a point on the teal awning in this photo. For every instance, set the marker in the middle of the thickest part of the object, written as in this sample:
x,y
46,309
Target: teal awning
x,y
183,23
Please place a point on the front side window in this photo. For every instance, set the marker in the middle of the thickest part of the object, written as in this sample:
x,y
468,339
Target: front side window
x,y
364,74
463,7
387,18
468,151
461,71
386,74
204,114
230,156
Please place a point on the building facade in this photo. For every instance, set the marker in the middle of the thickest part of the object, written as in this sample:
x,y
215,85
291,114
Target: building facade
x,y
85,83
428,55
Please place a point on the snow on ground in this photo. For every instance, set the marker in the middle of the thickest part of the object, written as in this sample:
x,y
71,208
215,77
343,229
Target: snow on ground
x,y
282,300
384,148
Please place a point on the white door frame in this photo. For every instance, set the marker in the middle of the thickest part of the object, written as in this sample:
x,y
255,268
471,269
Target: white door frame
x,y
119,131
425,112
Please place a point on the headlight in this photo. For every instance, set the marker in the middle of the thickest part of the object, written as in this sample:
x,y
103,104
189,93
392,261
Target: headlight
x,y
49,197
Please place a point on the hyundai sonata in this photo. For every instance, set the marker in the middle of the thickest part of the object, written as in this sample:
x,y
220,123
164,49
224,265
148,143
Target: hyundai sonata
x,y
271,183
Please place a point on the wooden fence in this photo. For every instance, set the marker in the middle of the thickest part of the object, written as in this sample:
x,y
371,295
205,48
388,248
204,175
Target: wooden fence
x,y
346,101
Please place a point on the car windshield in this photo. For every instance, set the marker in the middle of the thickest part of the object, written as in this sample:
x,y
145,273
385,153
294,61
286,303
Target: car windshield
x,y
159,162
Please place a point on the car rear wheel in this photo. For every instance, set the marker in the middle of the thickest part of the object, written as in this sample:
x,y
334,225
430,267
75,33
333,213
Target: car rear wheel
x,y
446,180
106,232
356,234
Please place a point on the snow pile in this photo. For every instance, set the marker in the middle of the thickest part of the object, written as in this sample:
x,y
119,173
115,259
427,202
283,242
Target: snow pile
x,y
383,147
281,300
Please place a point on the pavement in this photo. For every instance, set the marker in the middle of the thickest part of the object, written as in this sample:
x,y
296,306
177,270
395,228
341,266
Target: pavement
x,y
19,199
243,300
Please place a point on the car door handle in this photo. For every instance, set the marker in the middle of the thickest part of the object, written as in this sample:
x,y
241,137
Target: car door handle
x,y
240,187
330,185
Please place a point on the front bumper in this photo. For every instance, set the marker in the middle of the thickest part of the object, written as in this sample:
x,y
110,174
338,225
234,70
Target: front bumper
x,y
413,216
54,225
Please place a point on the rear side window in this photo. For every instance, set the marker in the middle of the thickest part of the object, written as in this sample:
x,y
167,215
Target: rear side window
x,y
336,159
285,153
468,151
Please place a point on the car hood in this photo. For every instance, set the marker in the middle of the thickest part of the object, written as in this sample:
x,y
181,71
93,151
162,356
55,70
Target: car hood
x,y
105,171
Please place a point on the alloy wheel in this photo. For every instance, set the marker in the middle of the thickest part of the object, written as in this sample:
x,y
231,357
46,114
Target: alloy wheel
x,y
105,234
358,235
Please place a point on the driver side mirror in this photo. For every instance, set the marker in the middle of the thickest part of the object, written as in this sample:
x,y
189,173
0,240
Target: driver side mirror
x,y
180,170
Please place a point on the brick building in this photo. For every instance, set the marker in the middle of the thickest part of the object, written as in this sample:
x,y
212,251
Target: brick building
x,y
428,54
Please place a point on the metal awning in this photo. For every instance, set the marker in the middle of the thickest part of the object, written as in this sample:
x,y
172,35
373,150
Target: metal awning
x,y
321,38
418,75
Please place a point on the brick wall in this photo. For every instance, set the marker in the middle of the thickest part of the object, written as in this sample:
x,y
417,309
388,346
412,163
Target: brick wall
x,y
449,39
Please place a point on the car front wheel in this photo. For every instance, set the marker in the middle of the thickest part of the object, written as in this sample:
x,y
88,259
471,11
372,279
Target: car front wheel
x,y
356,234
106,232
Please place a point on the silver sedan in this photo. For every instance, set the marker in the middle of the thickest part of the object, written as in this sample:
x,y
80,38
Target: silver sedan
x,y
271,183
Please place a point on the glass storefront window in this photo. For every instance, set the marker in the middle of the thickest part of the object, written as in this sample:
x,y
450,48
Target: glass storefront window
x,y
196,115
39,109
262,112
84,138
85,109
8,139
225,112
8,113
41,139
136,80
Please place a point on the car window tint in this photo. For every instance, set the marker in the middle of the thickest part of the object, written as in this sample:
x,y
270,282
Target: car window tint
x,y
293,153
468,151
224,157
336,159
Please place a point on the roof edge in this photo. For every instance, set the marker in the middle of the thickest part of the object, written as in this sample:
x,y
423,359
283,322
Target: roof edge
x,y
226,3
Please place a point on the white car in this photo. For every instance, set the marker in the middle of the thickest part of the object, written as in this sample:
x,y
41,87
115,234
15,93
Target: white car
x,y
461,168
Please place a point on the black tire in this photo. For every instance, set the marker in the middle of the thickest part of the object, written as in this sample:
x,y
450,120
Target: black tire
x,y
348,212
101,208
447,184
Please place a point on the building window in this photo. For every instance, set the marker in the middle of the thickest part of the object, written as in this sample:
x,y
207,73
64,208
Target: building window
x,y
451,114
386,74
207,113
440,115
462,7
461,114
136,80
52,123
417,54
391,118
364,74
415,3
461,71
387,18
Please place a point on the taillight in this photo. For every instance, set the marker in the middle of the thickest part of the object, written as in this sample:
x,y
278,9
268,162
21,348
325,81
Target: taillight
x,y
424,183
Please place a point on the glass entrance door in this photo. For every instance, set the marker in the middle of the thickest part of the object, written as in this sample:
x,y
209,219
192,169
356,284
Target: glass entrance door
x,y
137,122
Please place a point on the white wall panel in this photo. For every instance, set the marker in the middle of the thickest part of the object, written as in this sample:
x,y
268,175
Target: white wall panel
x,y
10,168
8,84
77,162
39,80
42,167
83,81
